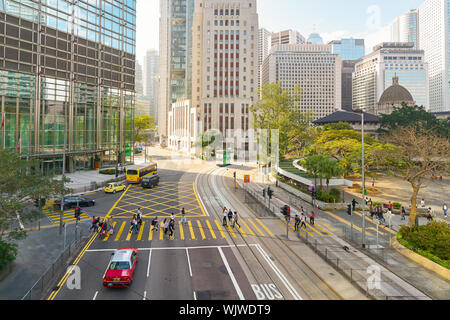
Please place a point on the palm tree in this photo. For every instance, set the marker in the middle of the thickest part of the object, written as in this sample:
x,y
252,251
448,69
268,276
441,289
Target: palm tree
x,y
328,168
312,166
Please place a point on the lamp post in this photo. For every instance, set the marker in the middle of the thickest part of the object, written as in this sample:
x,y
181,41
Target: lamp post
x,y
363,183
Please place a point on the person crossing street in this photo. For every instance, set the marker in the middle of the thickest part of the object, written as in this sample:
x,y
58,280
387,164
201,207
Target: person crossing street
x,y
224,212
297,222
183,216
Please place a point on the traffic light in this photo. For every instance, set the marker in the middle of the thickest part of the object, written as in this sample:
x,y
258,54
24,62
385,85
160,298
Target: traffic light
x,y
270,193
77,213
313,193
234,175
264,193
286,211
349,209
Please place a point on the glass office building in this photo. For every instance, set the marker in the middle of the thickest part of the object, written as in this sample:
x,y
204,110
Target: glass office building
x,y
405,28
67,72
349,49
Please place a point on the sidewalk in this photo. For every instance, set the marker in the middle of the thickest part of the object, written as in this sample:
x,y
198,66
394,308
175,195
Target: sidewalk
x,y
87,181
422,278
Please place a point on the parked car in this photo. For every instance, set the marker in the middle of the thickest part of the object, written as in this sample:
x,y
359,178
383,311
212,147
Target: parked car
x,y
150,181
115,187
121,268
72,202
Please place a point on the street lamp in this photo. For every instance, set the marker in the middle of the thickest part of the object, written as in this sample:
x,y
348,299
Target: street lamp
x,y
363,182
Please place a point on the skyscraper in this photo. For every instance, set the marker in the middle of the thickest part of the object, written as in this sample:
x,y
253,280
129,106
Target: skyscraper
x,y
176,17
67,81
374,73
287,37
315,38
151,81
349,49
139,79
312,67
225,63
405,28
434,22
263,51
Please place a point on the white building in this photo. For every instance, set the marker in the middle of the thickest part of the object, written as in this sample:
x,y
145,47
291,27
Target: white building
x,y
374,73
405,28
263,49
225,63
182,127
287,37
151,80
312,67
434,39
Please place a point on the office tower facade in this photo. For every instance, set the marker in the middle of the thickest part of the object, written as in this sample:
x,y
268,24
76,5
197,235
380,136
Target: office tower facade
x,y
434,22
175,63
67,81
225,63
348,67
349,49
263,51
151,76
374,73
312,67
405,28
139,79
287,37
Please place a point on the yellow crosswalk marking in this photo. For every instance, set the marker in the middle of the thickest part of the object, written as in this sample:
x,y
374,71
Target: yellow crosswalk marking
x,y
107,236
181,230
129,234
211,229
201,229
326,225
257,229
191,230
241,231
265,228
231,231
141,231
161,231
248,228
314,229
318,226
150,233
220,229
120,231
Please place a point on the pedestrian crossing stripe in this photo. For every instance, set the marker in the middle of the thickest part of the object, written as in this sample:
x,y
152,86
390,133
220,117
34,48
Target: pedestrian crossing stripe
x,y
211,229
120,231
265,228
201,230
181,230
191,230
68,216
231,231
248,228
141,231
220,229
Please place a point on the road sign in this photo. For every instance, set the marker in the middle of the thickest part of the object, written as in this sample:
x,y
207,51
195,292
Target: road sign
x,y
247,178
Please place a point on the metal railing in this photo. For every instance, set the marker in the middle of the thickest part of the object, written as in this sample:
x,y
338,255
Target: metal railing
x,y
42,286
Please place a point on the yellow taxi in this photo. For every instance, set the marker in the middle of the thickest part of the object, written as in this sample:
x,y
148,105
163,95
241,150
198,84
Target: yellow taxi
x,y
114,187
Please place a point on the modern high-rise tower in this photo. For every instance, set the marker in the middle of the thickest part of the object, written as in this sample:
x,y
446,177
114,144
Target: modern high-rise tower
x,y
287,37
67,81
151,81
175,48
434,39
405,28
264,49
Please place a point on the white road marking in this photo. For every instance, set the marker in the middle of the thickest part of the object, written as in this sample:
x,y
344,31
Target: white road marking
x,y
145,295
280,275
177,248
95,296
233,279
189,262
149,260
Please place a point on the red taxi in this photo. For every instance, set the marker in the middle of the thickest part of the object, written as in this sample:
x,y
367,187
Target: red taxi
x,y
121,268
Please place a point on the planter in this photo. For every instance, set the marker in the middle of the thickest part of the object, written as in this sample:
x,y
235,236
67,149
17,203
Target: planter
x,y
97,165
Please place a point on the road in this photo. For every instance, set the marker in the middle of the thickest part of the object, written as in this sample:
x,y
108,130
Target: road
x,y
205,260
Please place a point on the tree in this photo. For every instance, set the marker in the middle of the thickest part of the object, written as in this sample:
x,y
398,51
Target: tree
x,y
21,182
423,152
312,166
328,169
411,116
276,111
142,125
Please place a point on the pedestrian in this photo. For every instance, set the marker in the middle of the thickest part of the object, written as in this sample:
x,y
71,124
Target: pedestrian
x,y
224,212
94,225
367,201
422,203
172,229
297,222
311,218
155,224
139,218
354,203
430,215
370,202
103,229
183,216
134,224
403,214
391,206
303,225
373,182
230,217
371,209
235,219
172,217
445,209
166,226
302,211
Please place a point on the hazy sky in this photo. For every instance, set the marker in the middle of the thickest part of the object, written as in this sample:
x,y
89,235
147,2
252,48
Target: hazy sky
x,y
332,19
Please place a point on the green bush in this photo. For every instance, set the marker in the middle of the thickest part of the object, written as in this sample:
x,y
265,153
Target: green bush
x,y
377,204
108,171
8,253
336,193
397,205
431,241
326,197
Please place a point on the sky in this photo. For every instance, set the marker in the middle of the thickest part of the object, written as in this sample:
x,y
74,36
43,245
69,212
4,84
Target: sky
x,y
332,19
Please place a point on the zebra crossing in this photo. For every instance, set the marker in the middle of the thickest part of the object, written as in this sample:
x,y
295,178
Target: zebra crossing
x,y
68,215
201,229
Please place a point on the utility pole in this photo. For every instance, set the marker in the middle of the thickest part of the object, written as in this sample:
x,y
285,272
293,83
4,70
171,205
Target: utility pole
x,y
363,184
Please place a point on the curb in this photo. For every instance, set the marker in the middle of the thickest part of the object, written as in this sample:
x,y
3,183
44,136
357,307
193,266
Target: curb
x,y
424,262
